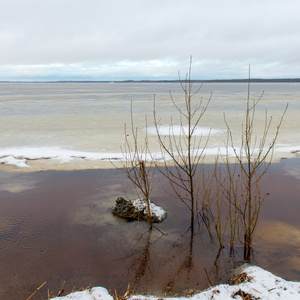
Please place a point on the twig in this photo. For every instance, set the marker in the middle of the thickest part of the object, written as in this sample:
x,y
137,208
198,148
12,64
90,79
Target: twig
x,y
207,276
37,290
61,290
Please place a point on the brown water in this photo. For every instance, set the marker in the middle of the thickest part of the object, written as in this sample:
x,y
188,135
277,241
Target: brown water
x,y
56,226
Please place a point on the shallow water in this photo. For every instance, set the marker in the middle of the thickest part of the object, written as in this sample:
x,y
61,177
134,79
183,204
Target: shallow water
x,y
57,226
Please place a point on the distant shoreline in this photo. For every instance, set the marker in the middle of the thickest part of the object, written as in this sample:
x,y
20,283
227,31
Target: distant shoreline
x,y
253,80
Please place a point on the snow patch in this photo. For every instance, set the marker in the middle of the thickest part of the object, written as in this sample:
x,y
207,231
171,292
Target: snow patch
x,y
288,149
141,205
177,130
20,156
11,160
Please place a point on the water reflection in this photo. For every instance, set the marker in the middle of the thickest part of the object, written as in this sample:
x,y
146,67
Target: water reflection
x,y
183,271
141,265
175,264
278,247
16,183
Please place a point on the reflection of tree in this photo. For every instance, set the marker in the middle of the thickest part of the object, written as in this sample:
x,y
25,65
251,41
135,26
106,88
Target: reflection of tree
x,y
185,268
142,263
213,276
179,267
196,271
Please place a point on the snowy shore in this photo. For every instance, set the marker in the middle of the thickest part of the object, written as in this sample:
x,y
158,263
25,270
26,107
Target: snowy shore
x,y
253,283
30,159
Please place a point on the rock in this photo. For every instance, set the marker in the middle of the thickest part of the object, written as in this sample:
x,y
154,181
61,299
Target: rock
x,y
137,210
125,209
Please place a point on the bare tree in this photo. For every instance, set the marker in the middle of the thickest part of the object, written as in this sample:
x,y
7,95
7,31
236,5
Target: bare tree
x,y
138,164
183,151
253,161
227,187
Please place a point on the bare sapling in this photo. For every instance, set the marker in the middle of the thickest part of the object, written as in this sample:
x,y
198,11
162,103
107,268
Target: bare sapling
x,y
231,200
228,183
253,161
183,151
217,208
206,204
218,215
138,164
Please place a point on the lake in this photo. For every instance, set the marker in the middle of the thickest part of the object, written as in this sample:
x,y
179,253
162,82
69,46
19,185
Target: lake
x,y
57,226
46,124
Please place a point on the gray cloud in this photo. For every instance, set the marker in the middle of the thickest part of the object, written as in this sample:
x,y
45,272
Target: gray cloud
x,y
119,39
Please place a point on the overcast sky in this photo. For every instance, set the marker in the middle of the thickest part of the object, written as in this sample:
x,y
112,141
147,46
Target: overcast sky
x,y
148,39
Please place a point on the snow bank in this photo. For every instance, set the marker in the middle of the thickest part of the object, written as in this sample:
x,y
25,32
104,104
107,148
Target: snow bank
x,y
259,284
96,293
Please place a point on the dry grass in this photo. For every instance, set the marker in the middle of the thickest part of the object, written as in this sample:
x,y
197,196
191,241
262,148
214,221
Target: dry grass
x,y
129,292
37,289
241,278
61,292
244,295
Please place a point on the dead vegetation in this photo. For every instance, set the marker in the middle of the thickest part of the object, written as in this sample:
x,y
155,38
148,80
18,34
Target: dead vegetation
x,y
244,295
240,278
126,295
37,289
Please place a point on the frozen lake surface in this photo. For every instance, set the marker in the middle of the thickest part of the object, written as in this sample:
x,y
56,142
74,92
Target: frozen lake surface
x,y
81,125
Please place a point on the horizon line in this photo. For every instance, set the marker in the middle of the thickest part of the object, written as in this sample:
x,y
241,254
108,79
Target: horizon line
x,y
159,80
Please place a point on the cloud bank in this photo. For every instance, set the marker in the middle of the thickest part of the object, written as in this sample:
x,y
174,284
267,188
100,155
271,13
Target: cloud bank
x,y
132,39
